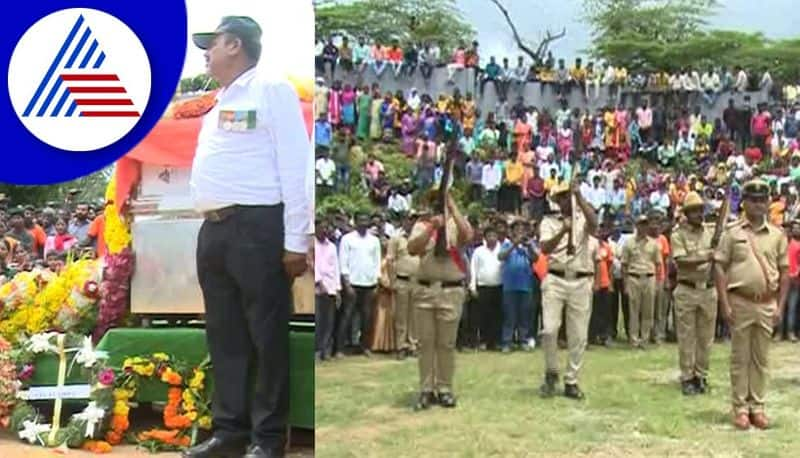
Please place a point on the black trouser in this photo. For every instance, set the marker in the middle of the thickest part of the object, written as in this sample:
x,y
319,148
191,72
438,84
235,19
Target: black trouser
x,y
361,303
498,86
470,324
490,300
619,300
409,67
248,304
510,198
476,192
326,61
600,323
426,70
325,314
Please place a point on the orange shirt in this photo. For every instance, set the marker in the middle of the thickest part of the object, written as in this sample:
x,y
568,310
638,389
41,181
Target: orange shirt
x,y
606,255
664,244
776,209
96,229
395,54
39,237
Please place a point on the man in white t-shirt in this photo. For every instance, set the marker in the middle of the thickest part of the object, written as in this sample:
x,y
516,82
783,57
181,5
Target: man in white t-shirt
x,y
326,172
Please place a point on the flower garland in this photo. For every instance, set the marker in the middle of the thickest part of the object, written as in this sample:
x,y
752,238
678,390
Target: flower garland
x,y
88,424
38,301
187,410
117,234
8,383
114,291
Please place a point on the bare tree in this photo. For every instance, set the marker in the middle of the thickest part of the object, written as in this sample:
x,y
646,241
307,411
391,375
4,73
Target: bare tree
x,y
541,48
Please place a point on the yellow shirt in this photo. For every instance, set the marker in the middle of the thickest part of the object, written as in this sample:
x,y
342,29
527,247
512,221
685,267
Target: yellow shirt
x,y
621,74
578,74
547,76
514,172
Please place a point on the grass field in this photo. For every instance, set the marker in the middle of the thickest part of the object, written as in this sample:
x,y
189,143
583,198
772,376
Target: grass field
x,y
633,407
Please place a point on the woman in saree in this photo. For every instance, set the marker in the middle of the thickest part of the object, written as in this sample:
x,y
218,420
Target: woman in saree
x,y
409,131
610,123
348,108
364,103
335,104
382,336
522,135
456,108
399,105
376,122
470,115
387,117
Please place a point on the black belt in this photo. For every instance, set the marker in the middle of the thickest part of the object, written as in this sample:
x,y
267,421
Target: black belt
x,y
562,274
696,285
403,277
640,275
445,284
222,214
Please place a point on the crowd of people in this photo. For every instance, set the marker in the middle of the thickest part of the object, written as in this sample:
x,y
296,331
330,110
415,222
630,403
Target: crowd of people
x,y
47,236
634,165
689,84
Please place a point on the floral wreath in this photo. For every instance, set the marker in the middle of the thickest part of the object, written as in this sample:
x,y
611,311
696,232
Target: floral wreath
x,y
104,421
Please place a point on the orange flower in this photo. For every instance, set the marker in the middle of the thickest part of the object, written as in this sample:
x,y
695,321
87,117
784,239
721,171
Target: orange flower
x,y
119,423
174,394
97,446
113,437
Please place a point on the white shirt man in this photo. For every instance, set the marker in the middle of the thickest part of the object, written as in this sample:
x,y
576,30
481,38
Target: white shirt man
x,y
485,268
597,196
326,170
492,176
660,199
610,75
398,203
260,156
360,259
710,82
741,81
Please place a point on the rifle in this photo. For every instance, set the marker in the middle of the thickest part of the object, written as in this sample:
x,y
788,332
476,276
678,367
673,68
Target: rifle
x,y
442,245
573,204
724,211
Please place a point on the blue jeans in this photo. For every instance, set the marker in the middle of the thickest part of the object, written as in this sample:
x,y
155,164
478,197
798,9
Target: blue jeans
x,y
342,178
788,324
517,314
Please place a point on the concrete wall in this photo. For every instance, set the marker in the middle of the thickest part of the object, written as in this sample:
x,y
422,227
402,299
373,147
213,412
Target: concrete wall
x,y
533,93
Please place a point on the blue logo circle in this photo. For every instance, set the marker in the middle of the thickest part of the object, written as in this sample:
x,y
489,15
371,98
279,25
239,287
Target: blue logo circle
x,y
70,92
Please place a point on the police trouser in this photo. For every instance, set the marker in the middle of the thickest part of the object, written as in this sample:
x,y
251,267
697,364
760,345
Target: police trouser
x,y
574,297
641,300
695,317
750,339
437,311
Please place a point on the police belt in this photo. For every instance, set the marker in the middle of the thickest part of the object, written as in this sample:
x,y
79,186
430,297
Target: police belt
x,y
631,274
444,284
759,298
570,275
216,216
696,284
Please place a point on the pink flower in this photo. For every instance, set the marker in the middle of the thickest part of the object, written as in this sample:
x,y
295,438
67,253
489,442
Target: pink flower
x,y
106,377
26,372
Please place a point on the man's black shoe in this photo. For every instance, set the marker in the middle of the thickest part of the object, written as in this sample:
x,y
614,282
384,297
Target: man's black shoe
x,y
257,451
688,388
216,448
447,400
548,388
700,385
426,399
572,391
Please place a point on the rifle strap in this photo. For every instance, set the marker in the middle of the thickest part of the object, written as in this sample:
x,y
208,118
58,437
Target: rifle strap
x,y
761,262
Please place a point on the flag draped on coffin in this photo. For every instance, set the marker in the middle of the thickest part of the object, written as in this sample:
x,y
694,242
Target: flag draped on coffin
x,y
173,140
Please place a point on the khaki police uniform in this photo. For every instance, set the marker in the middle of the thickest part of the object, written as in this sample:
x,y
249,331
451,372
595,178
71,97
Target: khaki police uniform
x,y
640,256
438,300
752,294
695,301
568,285
404,271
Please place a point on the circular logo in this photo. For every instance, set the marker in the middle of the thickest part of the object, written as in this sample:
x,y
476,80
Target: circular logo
x,y
79,79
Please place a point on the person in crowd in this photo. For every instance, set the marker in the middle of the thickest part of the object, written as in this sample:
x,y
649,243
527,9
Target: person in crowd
x,y
517,256
327,288
641,262
62,241
403,269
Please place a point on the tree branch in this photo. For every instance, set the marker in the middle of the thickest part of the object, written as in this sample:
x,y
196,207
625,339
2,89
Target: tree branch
x,y
542,48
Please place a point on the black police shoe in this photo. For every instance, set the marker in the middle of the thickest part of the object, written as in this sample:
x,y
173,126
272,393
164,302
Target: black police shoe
x,y
216,448
688,388
447,400
425,400
700,384
572,391
257,451
548,388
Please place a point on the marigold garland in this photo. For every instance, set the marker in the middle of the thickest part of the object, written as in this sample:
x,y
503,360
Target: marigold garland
x,y
186,411
117,234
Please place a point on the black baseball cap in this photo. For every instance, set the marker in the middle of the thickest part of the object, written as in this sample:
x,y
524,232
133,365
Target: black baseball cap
x,y
242,27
